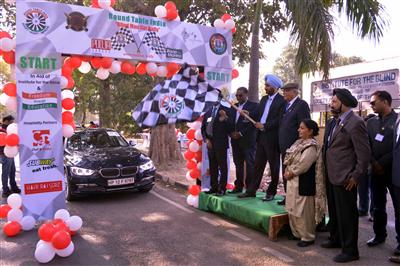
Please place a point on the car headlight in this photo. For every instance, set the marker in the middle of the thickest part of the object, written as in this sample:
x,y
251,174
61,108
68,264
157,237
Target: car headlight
x,y
146,166
82,171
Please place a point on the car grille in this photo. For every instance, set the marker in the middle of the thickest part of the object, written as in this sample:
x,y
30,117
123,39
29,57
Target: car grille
x,y
109,172
129,170
116,172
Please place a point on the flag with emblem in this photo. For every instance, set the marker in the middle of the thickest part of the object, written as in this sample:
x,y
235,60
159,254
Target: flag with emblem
x,y
152,40
122,38
185,97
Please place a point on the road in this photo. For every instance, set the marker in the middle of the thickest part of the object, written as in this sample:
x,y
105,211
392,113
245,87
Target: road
x,y
158,228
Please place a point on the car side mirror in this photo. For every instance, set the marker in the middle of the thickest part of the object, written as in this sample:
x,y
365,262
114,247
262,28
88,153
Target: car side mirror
x,y
132,143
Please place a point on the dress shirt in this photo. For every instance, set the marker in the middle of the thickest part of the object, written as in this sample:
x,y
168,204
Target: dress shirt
x,y
267,107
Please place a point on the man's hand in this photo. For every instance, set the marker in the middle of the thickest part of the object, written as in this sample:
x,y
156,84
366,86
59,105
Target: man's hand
x,y
235,135
288,175
209,144
222,115
351,183
244,112
259,126
377,169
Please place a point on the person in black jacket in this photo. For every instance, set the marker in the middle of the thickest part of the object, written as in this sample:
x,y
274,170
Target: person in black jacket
x,y
215,129
243,138
296,110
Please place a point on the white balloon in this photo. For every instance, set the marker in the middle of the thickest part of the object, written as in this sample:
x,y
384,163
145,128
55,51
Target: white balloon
x,y
74,223
62,214
3,98
11,104
66,251
6,44
28,223
67,130
105,4
196,125
197,134
178,18
162,71
188,177
194,146
189,200
229,24
12,129
42,242
115,67
219,23
44,253
199,165
10,2
160,11
63,82
102,73
67,94
151,68
10,151
15,201
14,215
85,67
193,201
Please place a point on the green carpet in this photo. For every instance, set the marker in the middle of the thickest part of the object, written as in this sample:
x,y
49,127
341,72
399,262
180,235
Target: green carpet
x,y
252,212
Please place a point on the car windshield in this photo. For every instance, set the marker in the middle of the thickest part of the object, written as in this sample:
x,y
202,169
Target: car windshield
x,y
96,140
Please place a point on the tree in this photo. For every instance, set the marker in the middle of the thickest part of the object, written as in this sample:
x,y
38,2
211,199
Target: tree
x,y
340,60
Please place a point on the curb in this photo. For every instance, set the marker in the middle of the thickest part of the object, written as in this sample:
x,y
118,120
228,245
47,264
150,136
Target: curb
x,y
171,181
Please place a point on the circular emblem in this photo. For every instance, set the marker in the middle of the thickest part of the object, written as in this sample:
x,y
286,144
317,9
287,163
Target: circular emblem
x,y
218,43
171,105
35,21
76,21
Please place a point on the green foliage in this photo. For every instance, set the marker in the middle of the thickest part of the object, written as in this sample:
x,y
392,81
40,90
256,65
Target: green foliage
x,y
340,60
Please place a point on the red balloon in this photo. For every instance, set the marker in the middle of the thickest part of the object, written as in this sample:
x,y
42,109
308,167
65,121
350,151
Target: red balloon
x,y
96,62
11,228
195,173
95,4
191,165
230,186
235,73
141,68
172,67
46,231
190,133
4,34
10,89
172,13
127,68
71,83
62,226
12,140
4,209
201,75
9,57
61,240
194,190
106,62
75,61
170,4
3,139
86,58
57,221
233,30
68,104
198,156
67,117
188,155
112,3
225,17
66,71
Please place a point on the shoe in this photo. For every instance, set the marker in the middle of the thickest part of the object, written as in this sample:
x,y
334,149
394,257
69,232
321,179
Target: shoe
x,y
268,197
211,191
371,219
342,258
395,259
304,244
330,244
362,213
5,194
375,241
282,202
235,191
246,195
220,193
396,251
16,190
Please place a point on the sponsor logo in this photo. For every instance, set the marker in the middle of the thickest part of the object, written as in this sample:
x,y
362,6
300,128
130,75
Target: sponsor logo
x,y
42,187
41,140
101,44
171,105
41,164
41,100
174,53
35,21
76,21
218,44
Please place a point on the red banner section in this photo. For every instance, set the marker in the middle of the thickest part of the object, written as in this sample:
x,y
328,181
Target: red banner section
x,y
34,188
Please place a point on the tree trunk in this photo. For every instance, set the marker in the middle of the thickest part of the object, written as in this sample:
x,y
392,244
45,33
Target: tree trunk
x,y
164,149
255,55
105,108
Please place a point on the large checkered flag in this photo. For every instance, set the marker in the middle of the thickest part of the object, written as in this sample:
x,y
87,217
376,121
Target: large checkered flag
x,y
185,97
122,38
152,40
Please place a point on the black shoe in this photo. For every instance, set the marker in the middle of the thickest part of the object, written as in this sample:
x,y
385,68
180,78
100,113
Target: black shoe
x,y
375,241
235,191
246,195
268,197
396,251
304,244
395,259
362,213
211,191
5,194
282,202
220,193
342,258
371,219
330,244
16,190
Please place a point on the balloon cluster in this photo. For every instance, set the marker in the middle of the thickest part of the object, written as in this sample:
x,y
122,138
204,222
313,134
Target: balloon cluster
x,y
104,4
15,219
167,11
10,140
9,96
55,236
7,47
225,22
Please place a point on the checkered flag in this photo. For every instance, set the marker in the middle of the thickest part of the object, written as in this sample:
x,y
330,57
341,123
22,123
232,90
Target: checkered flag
x,y
152,40
122,38
185,97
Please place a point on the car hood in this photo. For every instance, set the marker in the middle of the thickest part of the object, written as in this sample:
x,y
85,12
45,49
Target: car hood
x,y
107,157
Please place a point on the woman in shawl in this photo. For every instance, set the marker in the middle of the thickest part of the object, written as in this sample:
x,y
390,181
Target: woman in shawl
x,y
305,195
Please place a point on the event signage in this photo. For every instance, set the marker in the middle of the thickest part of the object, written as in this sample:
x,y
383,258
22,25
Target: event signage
x,y
361,86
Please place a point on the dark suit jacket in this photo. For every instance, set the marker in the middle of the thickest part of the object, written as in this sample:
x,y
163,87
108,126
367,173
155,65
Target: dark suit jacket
x,y
244,126
271,126
396,157
290,122
221,130
348,153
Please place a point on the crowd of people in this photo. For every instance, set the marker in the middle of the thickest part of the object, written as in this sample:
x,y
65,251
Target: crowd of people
x,y
319,178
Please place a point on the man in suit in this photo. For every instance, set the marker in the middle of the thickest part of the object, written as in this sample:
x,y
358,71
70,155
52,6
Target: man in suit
x,y
380,132
296,110
347,158
243,138
269,111
215,129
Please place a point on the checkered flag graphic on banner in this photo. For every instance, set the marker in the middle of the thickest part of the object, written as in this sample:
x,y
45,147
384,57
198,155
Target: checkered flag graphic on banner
x,y
122,38
185,97
152,40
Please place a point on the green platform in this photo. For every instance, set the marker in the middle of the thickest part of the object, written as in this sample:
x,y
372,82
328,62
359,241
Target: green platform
x,y
252,212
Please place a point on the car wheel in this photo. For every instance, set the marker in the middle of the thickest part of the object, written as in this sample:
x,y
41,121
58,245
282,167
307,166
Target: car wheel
x,y
70,196
146,189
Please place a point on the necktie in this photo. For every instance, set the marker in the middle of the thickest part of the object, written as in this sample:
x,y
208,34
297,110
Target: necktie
x,y
336,127
287,106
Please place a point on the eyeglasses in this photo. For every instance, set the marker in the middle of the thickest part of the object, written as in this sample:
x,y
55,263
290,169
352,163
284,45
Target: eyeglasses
x,y
239,95
372,103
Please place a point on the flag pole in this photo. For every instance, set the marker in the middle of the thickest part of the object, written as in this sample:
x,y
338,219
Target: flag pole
x,y
241,111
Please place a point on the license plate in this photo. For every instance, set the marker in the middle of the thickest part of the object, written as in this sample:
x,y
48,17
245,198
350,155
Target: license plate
x,y
121,181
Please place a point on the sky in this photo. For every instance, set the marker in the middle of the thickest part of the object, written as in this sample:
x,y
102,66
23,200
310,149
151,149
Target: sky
x,y
345,43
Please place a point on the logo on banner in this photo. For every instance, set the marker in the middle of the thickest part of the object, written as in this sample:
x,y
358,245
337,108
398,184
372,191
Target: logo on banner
x,y
40,100
122,38
36,21
218,44
41,140
76,21
41,164
101,44
171,105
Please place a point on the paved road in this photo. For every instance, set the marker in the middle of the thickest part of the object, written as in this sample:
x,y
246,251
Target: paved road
x,y
158,228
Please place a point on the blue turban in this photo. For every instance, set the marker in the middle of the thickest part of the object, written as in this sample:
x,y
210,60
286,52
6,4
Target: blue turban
x,y
273,81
